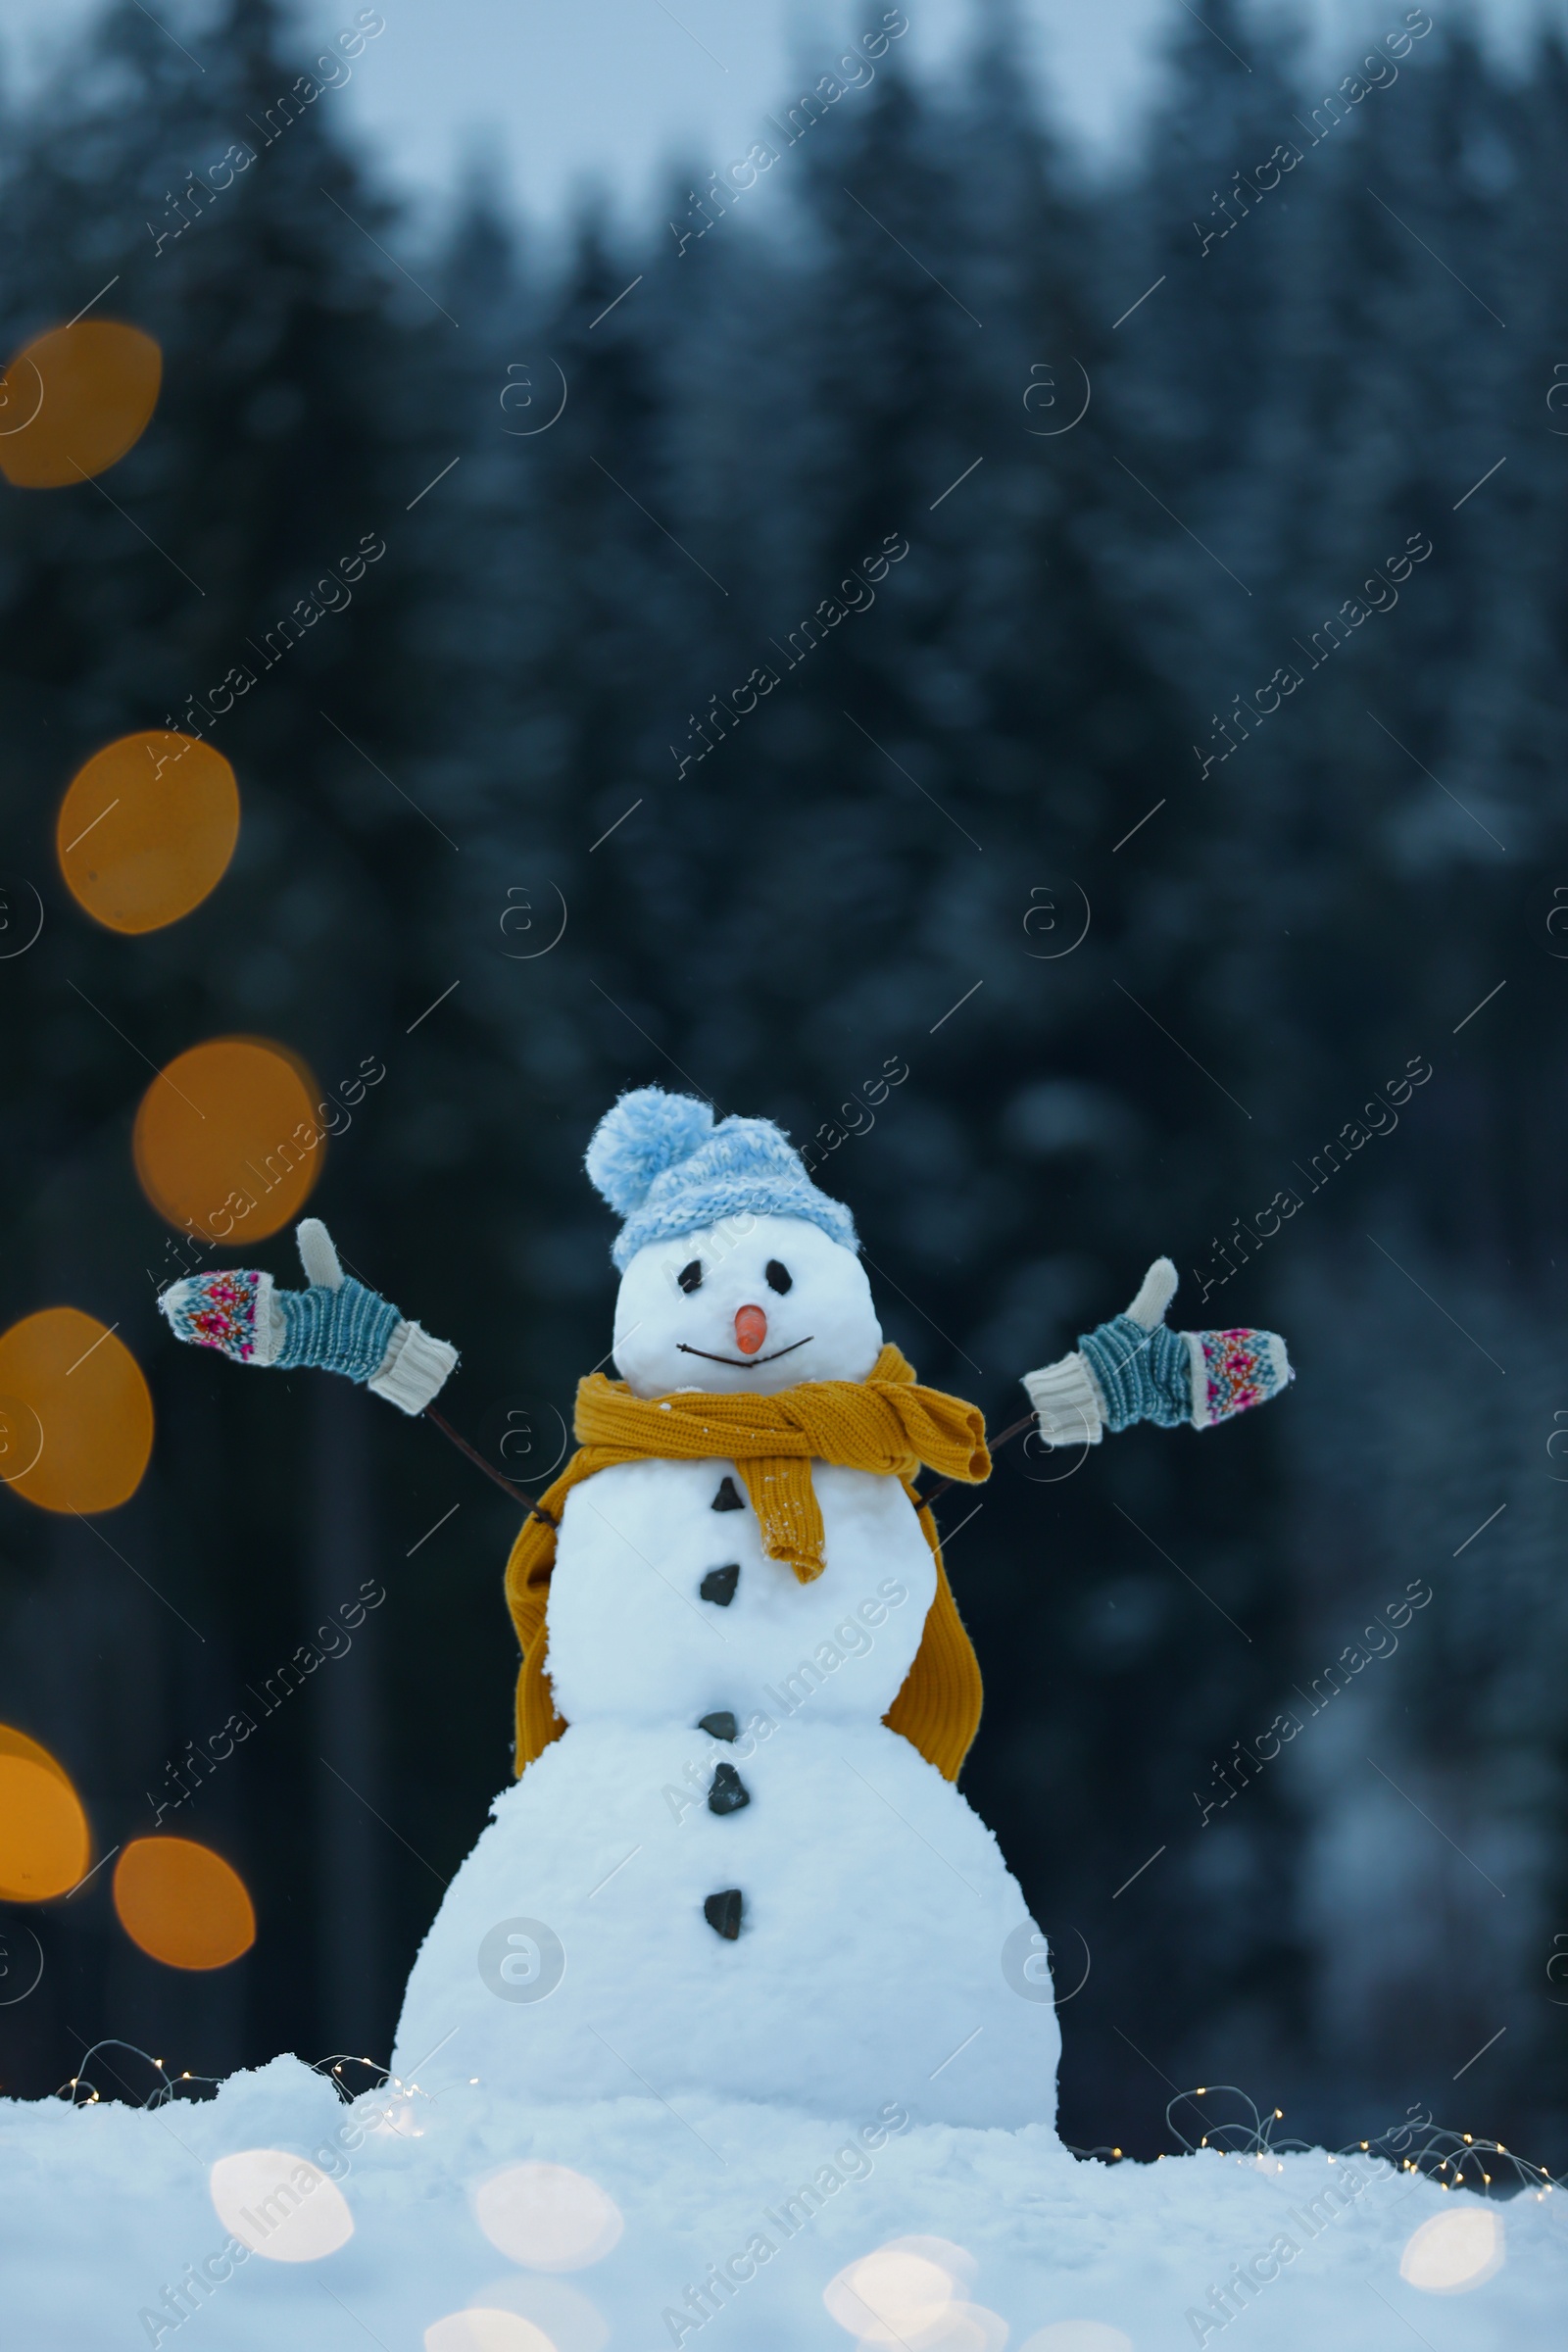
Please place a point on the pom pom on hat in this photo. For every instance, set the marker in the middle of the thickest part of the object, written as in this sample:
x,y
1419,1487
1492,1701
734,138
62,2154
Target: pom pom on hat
x,y
645,1133
662,1165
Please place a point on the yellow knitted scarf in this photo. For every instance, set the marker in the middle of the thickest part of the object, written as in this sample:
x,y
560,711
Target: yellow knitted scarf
x,y
887,1424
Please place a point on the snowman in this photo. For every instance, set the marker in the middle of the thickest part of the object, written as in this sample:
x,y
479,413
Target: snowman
x,y
735,1861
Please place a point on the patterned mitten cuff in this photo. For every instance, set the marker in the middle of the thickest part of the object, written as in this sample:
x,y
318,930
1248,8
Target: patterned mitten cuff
x,y
1132,1368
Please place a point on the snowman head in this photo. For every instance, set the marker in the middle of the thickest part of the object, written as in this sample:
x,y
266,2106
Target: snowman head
x,y
736,1272
753,1302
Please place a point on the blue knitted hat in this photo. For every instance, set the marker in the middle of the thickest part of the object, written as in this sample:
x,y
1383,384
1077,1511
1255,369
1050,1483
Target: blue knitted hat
x,y
663,1165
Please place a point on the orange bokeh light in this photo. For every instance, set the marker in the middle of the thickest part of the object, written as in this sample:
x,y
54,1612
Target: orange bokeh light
x,y
74,401
146,829
44,1839
227,1142
74,1410
182,1903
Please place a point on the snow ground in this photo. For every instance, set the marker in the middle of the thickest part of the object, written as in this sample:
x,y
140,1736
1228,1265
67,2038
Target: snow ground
x,y
1015,2242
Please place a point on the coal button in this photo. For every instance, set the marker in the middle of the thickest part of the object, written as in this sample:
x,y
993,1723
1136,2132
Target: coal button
x,y
727,1500
722,1726
722,1913
728,1792
718,1585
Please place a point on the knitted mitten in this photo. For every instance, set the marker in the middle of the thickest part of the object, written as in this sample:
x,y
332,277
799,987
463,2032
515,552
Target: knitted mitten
x,y
337,1325
1134,1369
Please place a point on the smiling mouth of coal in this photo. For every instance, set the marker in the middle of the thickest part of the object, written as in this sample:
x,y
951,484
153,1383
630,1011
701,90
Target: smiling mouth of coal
x,y
745,1363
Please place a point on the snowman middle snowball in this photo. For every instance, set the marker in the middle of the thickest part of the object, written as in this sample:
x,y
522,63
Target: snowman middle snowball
x,y
664,1602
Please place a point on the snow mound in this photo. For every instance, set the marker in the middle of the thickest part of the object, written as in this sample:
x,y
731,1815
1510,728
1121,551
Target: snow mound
x,y
274,2214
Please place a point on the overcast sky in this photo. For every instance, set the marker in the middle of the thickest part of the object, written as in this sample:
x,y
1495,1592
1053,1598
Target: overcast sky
x,y
565,90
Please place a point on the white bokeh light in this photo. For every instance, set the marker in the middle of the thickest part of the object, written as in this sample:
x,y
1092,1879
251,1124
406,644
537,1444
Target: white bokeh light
x,y
484,2330
281,2206
1453,2251
547,2217
898,2295
1077,2335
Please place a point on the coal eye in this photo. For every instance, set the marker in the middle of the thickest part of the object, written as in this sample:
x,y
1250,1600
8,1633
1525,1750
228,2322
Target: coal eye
x,y
780,1278
690,1276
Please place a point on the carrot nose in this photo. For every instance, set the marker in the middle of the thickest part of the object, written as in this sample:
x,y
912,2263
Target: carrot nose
x,y
751,1329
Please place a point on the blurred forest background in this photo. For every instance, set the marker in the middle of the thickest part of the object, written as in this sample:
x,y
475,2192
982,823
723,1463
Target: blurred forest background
x,y
926,808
